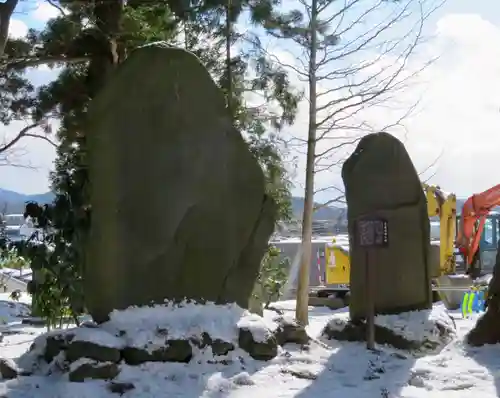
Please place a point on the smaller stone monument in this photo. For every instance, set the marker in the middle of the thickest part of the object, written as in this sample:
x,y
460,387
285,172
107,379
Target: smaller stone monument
x,y
380,179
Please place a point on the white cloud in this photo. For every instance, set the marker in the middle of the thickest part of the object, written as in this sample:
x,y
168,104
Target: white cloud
x,y
34,159
44,11
460,107
458,115
17,29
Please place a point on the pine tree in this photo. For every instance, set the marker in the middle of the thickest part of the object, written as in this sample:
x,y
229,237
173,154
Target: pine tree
x,y
89,41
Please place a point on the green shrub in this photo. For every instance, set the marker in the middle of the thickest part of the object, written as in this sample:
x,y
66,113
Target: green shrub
x,y
11,259
272,278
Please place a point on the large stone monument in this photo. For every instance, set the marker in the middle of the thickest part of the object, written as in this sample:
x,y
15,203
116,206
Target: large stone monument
x,y
380,179
179,208
487,328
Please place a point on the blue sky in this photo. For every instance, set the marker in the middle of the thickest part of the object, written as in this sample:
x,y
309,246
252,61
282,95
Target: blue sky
x,y
35,156
458,120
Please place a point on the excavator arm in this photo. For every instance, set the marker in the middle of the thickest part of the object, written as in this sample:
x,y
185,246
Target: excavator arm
x,y
443,206
474,213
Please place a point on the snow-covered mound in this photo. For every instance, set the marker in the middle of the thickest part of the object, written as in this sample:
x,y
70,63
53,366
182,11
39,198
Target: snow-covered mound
x,y
179,333
340,369
415,330
421,326
187,320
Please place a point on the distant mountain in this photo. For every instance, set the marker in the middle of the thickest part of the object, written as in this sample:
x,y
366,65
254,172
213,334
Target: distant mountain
x,y
42,198
14,202
324,213
336,213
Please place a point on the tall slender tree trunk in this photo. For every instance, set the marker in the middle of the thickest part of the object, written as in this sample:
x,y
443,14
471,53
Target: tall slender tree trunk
x,y
108,54
229,73
6,11
108,18
302,314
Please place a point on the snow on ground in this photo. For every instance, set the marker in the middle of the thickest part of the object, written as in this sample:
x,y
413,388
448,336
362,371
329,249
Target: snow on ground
x,y
22,274
16,338
344,370
12,311
414,326
184,321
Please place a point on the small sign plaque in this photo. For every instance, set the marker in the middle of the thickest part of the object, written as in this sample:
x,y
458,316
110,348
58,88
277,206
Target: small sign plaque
x,y
372,232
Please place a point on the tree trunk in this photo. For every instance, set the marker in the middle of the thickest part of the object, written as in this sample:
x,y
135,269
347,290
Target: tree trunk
x,y
108,17
6,10
301,312
229,73
105,58
487,329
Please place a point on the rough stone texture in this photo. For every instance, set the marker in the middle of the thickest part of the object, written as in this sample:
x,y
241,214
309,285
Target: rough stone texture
x,y
334,303
289,331
160,130
8,369
380,178
219,347
62,352
174,351
487,329
55,344
80,349
260,350
101,371
346,330
120,388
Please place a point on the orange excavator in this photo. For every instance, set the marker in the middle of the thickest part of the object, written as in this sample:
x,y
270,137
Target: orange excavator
x,y
471,225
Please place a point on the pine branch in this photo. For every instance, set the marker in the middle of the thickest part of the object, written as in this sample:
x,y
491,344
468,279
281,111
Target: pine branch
x,y
31,62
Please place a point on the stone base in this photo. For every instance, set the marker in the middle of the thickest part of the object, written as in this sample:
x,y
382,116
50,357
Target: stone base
x,y
418,331
333,303
99,351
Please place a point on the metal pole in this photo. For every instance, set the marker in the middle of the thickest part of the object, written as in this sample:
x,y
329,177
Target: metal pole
x,y
370,304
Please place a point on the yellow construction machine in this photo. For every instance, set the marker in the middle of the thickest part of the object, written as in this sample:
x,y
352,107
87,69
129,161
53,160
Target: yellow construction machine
x,y
447,284
443,206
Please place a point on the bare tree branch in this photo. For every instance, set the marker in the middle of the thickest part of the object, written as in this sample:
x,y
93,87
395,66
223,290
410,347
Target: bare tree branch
x,y
344,53
328,188
338,199
42,137
58,7
430,166
6,149
17,138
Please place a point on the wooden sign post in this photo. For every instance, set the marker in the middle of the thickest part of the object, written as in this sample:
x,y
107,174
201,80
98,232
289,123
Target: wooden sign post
x,y
372,233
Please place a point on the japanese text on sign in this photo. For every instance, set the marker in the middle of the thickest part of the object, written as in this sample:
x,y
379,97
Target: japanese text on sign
x,y
372,232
